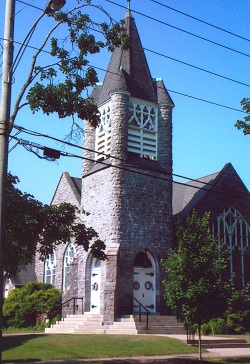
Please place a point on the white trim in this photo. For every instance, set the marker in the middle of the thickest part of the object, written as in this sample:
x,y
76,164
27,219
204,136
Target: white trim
x,y
103,133
68,257
50,266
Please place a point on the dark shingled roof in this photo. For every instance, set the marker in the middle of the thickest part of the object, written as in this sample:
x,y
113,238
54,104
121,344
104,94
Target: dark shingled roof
x,y
186,195
128,71
163,96
77,183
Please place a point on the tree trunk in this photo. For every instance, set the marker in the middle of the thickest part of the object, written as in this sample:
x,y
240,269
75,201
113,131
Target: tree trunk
x,y
199,334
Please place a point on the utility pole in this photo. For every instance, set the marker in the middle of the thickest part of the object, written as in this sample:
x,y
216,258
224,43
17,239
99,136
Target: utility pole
x,y
5,106
8,51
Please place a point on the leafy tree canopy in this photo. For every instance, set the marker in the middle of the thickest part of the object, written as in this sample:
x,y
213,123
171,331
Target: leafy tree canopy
x,y
194,286
32,226
244,124
194,271
23,305
61,86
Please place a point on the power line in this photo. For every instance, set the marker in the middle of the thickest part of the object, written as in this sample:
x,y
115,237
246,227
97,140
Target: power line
x,y
29,4
136,169
182,30
154,170
172,59
196,67
176,92
183,94
201,21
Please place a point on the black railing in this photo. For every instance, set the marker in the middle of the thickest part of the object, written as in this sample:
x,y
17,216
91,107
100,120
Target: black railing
x,y
140,311
67,304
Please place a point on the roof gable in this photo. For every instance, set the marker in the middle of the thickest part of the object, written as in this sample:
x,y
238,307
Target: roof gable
x,y
68,190
225,183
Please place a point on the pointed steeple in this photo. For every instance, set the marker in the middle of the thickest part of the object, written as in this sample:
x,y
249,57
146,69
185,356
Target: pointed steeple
x,y
128,70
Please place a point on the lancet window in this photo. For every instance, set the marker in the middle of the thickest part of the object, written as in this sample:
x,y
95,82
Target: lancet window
x,y
142,129
233,234
68,258
50,269
103,133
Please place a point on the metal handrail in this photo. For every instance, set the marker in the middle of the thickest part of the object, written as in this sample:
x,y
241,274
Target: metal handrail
x,y
140,313
64,303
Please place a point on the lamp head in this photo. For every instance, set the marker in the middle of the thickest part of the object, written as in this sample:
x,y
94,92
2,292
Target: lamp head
x,y
54,5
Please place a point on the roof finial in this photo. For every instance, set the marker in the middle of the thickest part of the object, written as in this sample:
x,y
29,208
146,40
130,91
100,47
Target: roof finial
x,y
128,4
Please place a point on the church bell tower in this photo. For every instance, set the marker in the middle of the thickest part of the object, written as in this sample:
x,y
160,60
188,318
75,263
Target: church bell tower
x,y
127,185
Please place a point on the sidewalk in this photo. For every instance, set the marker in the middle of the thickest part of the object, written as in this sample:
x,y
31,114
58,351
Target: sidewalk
x,y
217,352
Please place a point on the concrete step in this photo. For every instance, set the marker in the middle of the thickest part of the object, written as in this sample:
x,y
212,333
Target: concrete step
x,y
220,343
159,325
127,324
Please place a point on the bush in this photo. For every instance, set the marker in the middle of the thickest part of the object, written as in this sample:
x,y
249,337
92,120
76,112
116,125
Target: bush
x,y
25,307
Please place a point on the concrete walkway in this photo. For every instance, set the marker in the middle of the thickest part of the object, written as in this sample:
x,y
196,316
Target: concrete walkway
x,y
216,352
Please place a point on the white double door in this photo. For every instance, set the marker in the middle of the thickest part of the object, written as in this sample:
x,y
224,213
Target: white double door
x,y
144,289
95,287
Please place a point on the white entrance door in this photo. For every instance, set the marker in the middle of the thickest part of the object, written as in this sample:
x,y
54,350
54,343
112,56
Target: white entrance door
x,y
95,286
144,286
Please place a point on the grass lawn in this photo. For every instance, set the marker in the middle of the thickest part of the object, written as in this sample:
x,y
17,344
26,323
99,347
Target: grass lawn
x,y
37,347
55,347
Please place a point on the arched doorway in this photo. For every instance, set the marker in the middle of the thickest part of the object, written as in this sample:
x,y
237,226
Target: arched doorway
x,y
95,286
144,281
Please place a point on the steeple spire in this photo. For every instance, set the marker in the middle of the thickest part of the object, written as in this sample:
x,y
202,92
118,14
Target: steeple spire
x,y
128,71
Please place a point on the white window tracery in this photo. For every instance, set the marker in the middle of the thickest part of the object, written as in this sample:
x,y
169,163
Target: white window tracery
x,y
69,254
50,269
142,129
233,234
103,133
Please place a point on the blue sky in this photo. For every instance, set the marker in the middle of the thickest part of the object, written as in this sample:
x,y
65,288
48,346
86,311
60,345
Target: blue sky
x,y
204,136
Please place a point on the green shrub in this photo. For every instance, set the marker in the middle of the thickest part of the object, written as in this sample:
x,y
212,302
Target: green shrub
x,y
25,307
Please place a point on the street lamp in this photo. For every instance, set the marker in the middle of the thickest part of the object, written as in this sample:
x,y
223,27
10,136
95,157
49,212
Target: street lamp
x,y
54,5
5,105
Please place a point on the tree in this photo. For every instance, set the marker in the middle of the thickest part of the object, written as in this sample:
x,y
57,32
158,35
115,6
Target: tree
x,y
24,306
70,65
32,226
244,124
194,271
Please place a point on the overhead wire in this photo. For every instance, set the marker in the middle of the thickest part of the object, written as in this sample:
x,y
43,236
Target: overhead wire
x,y
173,91
149,169
175,60
29,4
138,170
201,21
182,30
182,94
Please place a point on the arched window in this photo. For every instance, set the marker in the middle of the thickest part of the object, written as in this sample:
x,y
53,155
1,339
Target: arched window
x,y
233,234
7,285
69,254
144,260
50,269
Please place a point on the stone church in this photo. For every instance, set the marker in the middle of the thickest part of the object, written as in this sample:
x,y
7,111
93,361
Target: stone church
x,y
126,186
